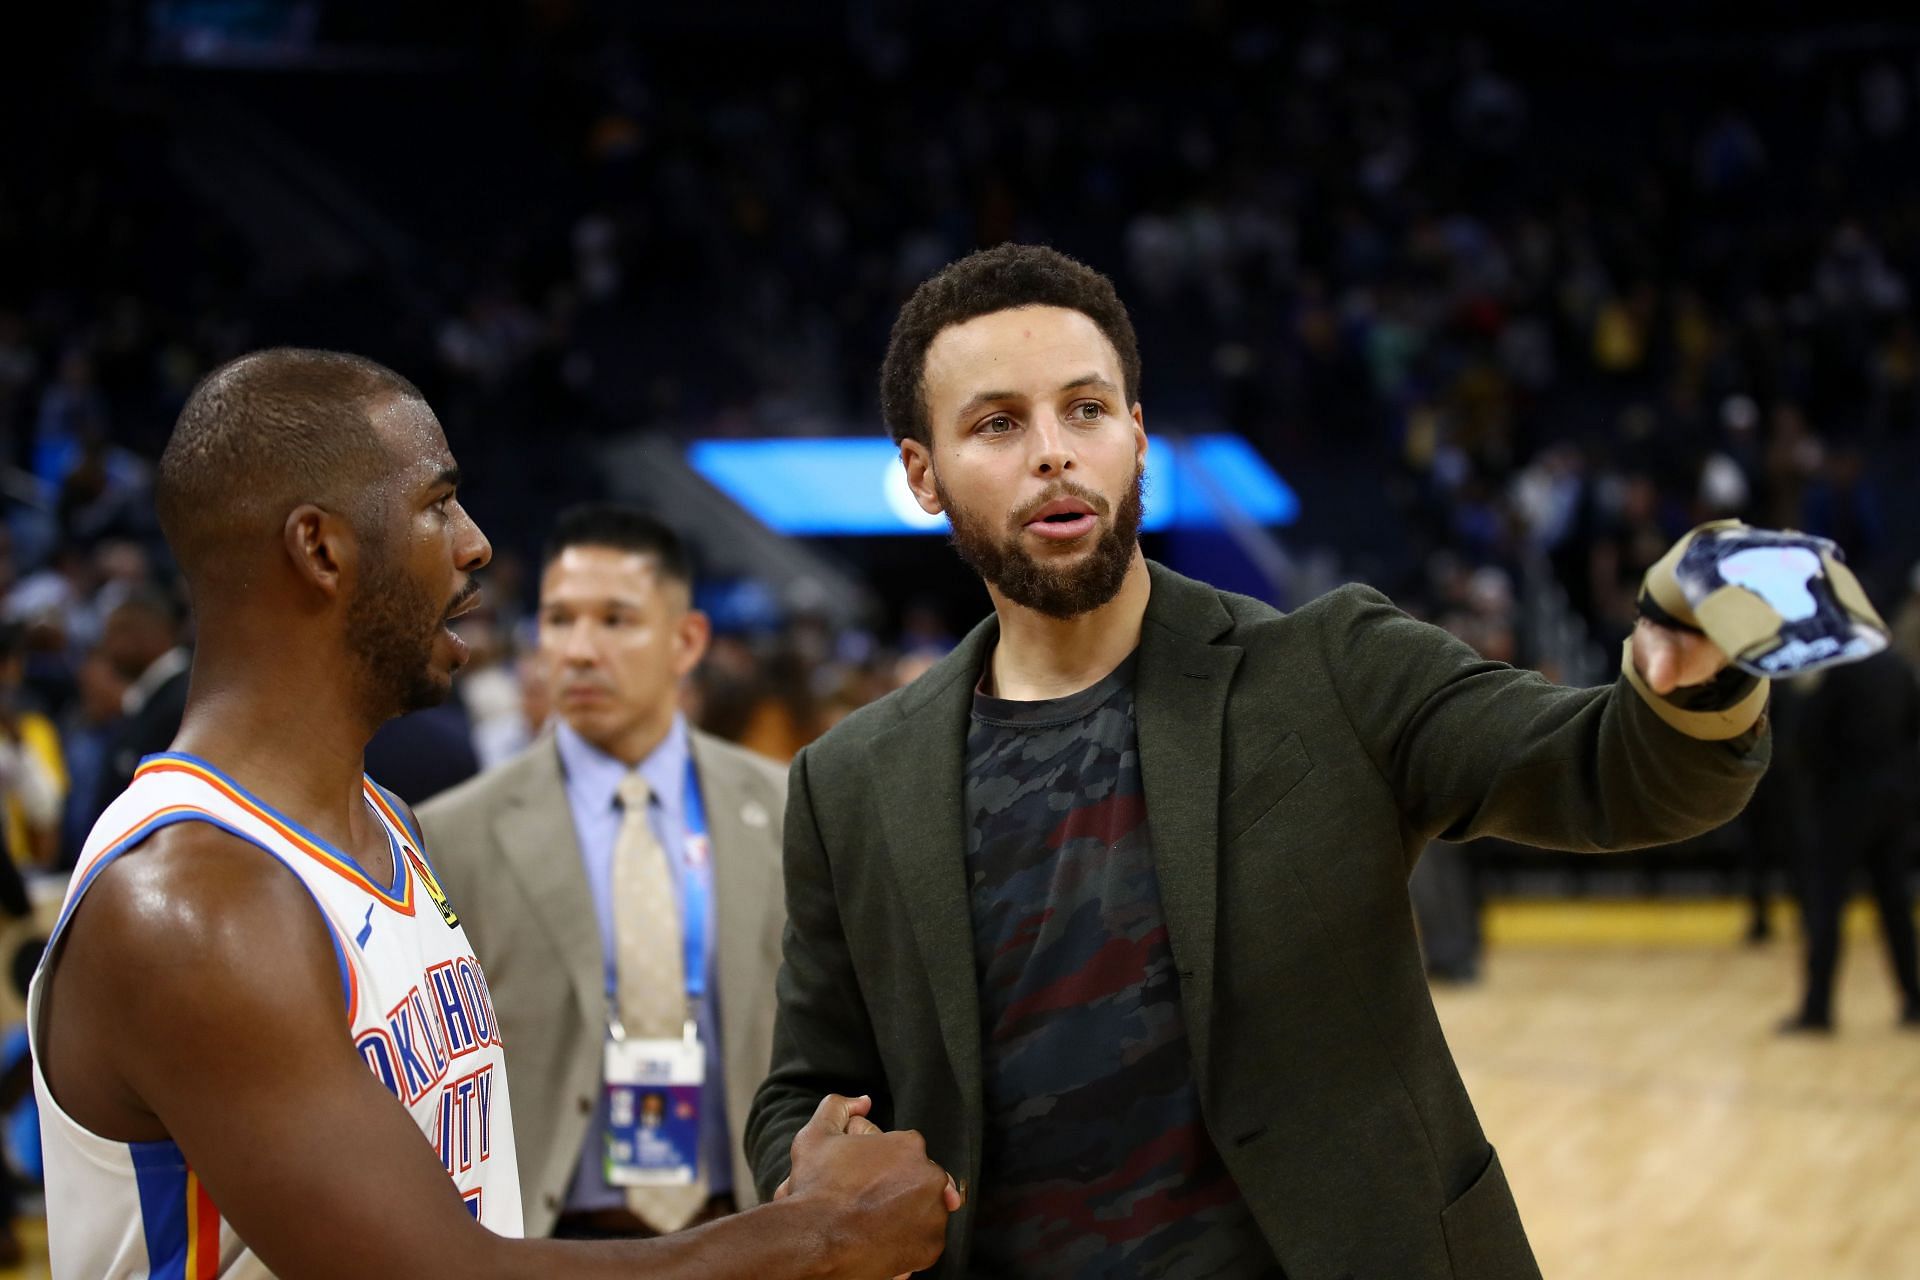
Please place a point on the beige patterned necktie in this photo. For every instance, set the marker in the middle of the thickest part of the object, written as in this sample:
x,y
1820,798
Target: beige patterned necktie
x,y
650,962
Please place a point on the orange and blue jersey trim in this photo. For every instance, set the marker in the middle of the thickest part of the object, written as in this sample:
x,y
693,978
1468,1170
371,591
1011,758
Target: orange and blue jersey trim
x,y
389,804
144,830
203,1232
398,828
407,838
399,895
177,1216
347,973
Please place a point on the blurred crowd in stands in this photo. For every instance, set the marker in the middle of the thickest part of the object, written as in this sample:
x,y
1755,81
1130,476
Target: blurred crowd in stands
x,y
1503,316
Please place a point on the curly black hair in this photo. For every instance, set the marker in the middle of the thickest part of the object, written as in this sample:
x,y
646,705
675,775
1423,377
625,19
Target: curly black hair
x,y
996,279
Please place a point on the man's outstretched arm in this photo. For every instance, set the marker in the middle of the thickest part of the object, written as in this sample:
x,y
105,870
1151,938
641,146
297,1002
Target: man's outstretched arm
x,y
1473,747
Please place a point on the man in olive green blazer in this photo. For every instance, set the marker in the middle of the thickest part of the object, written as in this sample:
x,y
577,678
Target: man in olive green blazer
x,y
1294,767
1277,775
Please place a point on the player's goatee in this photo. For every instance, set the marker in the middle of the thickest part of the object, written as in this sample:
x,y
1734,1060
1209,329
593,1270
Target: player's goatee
x,y
392,624
1059,592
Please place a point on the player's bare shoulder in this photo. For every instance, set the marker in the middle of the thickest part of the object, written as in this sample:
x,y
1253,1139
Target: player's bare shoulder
x,y
163,935
193,891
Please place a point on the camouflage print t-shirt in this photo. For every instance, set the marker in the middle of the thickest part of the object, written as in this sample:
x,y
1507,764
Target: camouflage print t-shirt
x,y
1096,1162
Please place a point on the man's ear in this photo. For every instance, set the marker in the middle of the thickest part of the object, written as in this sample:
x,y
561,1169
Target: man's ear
x,y
322,547
691,636
917,458
1140,436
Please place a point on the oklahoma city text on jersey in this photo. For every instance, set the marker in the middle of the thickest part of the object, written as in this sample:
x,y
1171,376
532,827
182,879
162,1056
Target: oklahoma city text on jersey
x,y
427,1037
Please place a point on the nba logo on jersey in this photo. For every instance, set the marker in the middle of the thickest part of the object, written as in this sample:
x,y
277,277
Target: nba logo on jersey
x,y
435,893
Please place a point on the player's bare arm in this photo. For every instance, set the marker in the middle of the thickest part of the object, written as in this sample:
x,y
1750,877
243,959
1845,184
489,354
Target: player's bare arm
x,y
197,997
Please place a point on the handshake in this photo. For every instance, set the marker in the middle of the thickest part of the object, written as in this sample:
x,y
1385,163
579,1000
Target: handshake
x,y
879,1200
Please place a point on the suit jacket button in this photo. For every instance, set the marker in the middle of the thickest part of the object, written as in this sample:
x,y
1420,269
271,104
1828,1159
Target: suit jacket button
x,y
586,1104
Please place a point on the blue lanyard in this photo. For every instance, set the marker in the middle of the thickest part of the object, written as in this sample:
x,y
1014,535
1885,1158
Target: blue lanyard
x,y
696,887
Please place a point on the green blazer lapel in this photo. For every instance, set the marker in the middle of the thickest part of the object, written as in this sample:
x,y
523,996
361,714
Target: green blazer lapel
x,y
540,847
1180,703
919,768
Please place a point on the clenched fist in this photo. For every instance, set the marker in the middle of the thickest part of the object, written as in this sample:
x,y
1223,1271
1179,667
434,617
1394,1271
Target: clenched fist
x,y
1668,659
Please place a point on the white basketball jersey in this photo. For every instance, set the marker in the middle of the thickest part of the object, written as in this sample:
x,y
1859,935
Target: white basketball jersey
x,y
418,1011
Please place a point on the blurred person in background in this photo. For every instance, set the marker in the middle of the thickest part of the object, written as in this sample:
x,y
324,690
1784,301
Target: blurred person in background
x,y
141,639
1130,809
665,837
1778,835
121,567
106,494
1859,740
87,732
783,714
33,784
1446,901
492,694
1906,621
423,753
32,768
72,409
59,602
1629,543
536,694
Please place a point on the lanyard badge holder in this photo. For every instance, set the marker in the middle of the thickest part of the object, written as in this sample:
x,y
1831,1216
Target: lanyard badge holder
x,y
654,1086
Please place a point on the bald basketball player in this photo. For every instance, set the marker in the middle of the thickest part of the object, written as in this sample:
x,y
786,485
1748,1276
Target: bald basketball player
x,y
264,1046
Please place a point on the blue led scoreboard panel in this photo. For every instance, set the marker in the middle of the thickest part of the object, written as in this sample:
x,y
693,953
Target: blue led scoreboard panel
x,y
843,486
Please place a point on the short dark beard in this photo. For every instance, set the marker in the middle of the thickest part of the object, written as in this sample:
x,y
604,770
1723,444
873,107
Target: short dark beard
x,y
391,628
1064,592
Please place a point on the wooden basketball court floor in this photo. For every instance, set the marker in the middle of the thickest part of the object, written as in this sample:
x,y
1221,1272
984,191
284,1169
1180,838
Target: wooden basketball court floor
x,y
1623,1059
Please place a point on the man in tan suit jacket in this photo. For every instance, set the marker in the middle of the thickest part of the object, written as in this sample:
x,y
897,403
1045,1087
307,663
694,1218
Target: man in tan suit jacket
x,y
525,851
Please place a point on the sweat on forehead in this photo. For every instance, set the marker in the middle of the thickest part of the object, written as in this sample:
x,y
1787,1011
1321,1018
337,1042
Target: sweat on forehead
x,y
411,433
270,430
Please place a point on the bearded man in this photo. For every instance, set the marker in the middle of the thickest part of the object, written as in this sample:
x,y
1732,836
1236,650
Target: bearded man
x,y
1111,904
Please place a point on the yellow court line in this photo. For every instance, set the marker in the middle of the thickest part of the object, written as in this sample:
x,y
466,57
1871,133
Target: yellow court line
x,y
1643,922
32,1231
